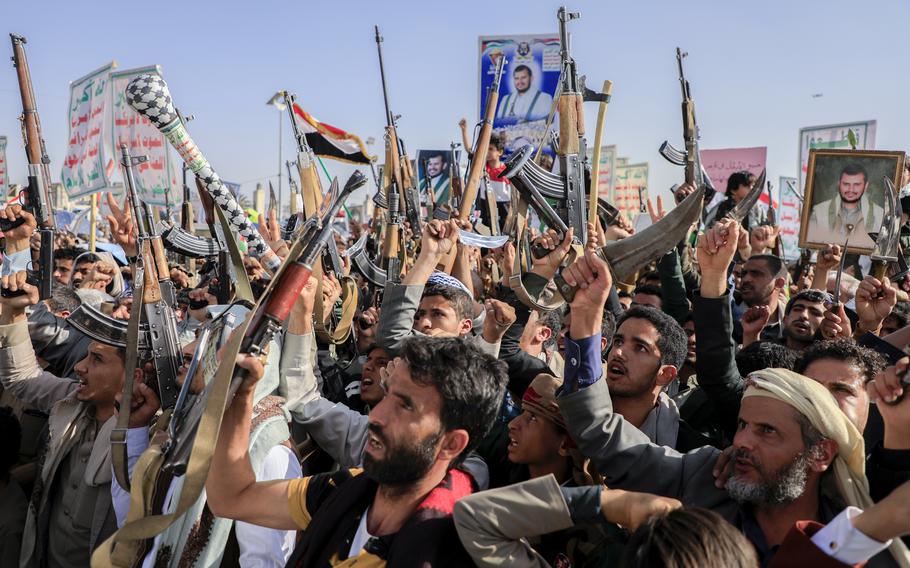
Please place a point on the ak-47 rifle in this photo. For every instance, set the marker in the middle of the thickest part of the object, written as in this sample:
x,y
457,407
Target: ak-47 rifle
x,y
295,191
146,229
457,183
339,330
689,158
490,199
187,220
272,310
37,201
158,297
391,244
402,174
477,167
568,188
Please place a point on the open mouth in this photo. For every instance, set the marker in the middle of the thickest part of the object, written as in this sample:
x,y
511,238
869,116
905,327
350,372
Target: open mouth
x,y
802,326
374,442
513,443
615,369
366,382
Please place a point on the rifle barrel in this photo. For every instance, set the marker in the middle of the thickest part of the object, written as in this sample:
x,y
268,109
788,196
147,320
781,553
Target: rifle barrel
x,y
390,120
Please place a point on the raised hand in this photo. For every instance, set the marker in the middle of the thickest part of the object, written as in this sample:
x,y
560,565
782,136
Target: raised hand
x,y
18,239
874,301
836,323
270,229
438,238
121,222
656,213
762,238
99,277
828,258
591,274
753,321
14,283
717,246
547,266
890,396
499,318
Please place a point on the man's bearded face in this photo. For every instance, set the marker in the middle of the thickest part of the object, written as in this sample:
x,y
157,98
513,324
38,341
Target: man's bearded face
x,y
852,187
404,462
522,80
435,165
778,487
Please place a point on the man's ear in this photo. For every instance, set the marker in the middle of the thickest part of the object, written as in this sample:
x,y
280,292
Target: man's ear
x,y
64,314
666,374
565,445
822,455
603,343
543,333
780,282
453,443
465,327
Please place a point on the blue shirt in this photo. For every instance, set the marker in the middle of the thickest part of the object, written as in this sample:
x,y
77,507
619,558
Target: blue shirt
x,y
584,365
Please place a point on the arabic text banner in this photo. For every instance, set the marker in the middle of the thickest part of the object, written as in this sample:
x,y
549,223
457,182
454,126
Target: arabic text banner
x,y
4,171
789,214
832,136
88,153
630,181
154,178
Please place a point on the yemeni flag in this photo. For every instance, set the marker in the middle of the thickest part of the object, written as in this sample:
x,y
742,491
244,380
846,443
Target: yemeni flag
x,y
328,141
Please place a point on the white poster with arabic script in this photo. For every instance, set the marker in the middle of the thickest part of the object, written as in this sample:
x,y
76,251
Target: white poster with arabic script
x,y
88,153
4,171
789,215
154,178
833,137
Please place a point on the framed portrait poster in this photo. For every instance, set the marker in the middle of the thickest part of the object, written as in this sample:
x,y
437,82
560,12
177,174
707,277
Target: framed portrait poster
x,y
845,195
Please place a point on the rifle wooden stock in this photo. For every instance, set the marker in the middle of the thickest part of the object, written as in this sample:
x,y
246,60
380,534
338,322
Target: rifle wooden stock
x,y
479,159
690,135
161,264
151,289
393,159
311,189
568,124
35,150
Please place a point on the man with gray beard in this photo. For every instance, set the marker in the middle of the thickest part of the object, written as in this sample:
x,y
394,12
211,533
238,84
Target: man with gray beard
x,y
791,441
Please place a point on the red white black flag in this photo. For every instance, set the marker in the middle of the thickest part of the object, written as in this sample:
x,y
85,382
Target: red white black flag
x,y
328,141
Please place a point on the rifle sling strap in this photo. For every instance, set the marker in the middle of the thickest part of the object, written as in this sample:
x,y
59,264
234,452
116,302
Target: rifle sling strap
x,y
118,435
242,288
342,328
140,525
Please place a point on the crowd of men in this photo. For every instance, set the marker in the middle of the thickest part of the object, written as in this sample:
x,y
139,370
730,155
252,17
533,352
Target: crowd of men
x,y
723,408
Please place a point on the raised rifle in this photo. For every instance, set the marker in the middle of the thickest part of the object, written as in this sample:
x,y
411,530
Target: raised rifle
x,y
690,158
148,94
312,205
37,200
457,183
269,314
569,187
158,297
145,227
402,174
477,167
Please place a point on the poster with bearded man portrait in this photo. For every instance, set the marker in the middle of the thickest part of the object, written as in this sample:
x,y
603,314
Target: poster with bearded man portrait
x,y
845,197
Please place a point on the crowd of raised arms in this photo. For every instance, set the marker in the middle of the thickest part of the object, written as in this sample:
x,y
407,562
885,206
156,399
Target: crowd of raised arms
x,y
450,381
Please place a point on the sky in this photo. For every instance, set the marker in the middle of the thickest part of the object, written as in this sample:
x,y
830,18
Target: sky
x,y
753,67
